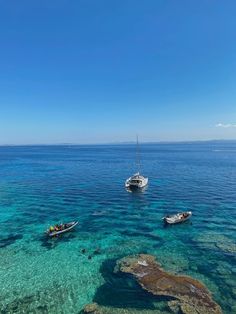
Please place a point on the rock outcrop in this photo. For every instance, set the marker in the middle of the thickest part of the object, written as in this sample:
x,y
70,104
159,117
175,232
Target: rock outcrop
x,y
213,241
189,295
92,308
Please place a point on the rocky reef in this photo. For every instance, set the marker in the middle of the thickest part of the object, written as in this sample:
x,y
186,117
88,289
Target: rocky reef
x,y
189,295
92,308
213,241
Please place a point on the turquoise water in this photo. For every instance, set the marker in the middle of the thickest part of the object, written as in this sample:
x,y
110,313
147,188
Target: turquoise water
x,y
42,185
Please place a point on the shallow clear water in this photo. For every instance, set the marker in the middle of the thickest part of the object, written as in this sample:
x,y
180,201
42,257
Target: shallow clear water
x,y
42,185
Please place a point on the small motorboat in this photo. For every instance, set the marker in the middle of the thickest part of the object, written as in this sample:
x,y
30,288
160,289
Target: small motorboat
x,y
175,219
62,228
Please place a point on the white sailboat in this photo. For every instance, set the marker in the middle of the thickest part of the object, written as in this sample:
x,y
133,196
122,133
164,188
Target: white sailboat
x,y
137,181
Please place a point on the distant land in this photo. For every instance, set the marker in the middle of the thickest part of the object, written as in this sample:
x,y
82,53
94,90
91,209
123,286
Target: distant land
x,y
126,143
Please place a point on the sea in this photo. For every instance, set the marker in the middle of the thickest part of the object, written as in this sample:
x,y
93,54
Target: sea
x,y
44,185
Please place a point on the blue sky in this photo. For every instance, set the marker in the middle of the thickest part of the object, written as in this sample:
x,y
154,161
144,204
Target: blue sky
x,y
88,71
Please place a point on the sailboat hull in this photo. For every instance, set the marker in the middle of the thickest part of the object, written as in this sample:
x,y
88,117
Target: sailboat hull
x,y
136,182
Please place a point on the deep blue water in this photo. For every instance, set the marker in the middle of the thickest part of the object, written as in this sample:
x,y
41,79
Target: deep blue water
x,y
43,185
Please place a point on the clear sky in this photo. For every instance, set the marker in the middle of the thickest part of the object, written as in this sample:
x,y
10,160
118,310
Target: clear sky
x,y
95,71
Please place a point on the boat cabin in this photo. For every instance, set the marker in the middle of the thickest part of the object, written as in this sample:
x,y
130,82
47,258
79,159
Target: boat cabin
x,y
135,181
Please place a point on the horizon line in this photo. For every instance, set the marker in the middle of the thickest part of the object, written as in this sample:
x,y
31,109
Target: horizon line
x,y
122,143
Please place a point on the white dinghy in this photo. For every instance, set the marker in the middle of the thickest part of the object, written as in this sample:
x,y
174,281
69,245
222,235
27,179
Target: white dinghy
x,y
175,219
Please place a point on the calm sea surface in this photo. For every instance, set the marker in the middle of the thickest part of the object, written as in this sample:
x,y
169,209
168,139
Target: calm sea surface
x,y
43,185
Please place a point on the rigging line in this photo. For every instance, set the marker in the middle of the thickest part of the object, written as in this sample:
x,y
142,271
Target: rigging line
x,y
138,155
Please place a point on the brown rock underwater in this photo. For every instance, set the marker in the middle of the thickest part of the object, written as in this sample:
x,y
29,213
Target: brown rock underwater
x,y
192,297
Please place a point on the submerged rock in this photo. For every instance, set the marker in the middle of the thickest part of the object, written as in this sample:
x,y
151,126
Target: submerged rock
x,y
95,308
42,301
174,306
223,269
97,251
227,246
92,308
192,295
214,240
11,239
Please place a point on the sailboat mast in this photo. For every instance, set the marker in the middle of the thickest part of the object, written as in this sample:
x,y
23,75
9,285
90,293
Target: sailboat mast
x,y
138,156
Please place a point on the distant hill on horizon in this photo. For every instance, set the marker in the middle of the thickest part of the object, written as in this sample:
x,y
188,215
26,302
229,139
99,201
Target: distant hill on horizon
x,y
127,143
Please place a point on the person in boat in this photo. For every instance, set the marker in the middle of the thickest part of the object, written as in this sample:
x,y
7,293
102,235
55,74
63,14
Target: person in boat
x,y
57,227
62,226
51,229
